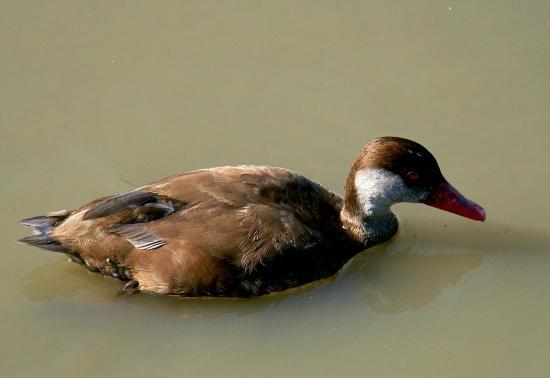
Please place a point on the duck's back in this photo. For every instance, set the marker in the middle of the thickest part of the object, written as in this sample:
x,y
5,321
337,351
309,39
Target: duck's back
x,y
232,231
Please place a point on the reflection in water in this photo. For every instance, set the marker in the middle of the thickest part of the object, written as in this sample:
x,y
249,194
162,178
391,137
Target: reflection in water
x,y
427,257
402,275
405,281
62,279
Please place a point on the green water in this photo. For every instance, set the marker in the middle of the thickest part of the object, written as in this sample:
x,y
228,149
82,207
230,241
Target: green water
x,y
98,97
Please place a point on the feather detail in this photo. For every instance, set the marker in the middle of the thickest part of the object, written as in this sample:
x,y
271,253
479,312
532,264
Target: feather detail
x,y
139,236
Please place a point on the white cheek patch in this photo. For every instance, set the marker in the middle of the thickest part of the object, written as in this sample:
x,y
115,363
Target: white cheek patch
x,y
378,189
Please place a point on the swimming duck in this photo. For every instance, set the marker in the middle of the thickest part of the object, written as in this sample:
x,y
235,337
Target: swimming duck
x,y
246,231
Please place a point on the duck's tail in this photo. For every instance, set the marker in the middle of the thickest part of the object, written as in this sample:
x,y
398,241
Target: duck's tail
x,y
42,227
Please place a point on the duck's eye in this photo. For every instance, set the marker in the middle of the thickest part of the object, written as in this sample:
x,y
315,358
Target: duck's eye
x,y
413,175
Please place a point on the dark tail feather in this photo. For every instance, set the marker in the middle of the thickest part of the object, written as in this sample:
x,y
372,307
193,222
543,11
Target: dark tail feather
x,y
42,225
44,242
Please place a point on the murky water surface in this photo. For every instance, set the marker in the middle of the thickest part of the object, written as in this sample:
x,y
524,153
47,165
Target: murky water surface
x,y
98,97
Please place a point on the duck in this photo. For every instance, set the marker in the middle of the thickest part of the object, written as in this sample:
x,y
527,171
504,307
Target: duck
x,y
248,230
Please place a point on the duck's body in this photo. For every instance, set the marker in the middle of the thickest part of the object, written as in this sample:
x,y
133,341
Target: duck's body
x,y
230,231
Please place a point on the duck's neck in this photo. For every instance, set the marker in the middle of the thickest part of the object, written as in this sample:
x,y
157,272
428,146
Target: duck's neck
x,y
367,214
369,230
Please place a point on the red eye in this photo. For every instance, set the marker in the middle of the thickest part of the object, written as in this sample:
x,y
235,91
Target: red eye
x,y
413,175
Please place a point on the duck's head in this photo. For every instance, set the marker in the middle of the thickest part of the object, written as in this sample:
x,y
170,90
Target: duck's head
x,y
390,170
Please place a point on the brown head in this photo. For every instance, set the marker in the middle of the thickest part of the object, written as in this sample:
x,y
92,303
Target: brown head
x,y
390,170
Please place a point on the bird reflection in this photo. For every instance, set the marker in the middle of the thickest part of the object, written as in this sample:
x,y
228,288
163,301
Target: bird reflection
x,y
60,279
405,274
394,283
412,270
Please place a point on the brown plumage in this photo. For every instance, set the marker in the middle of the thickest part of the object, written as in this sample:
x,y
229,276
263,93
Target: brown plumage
x,y
237,231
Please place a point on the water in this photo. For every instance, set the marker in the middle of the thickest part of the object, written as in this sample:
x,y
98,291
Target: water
x,y
99,97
